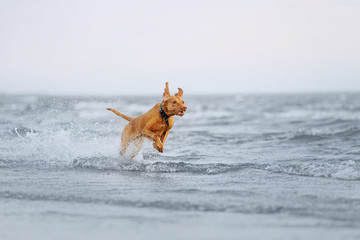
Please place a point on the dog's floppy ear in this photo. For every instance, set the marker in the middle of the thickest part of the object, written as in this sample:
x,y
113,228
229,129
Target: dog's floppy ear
x,y
180,93
166,91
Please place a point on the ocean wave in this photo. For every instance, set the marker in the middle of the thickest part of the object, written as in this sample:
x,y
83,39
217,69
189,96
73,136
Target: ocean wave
x,y
66,148
159,204
346,170
321,134
158,167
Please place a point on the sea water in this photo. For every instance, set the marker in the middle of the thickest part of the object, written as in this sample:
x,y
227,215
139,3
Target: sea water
x,y
234,167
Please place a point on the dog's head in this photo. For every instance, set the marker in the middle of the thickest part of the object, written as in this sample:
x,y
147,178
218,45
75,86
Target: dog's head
x,y
173,105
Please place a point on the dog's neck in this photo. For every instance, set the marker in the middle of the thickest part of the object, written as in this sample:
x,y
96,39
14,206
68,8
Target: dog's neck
x,y
163,114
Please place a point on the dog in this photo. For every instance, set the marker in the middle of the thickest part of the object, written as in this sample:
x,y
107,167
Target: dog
x,y
154,124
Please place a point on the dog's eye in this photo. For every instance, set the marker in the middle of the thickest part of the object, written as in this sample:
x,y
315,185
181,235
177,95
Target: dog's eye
x,y
174,102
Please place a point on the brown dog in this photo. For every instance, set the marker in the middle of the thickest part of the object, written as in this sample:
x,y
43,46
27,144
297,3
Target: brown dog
x,y
154,125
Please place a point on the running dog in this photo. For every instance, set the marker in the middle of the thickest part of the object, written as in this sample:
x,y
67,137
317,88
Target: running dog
x,y
154,124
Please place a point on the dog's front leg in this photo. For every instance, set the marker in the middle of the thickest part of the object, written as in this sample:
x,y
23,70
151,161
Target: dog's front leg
x,y
158,145
164,136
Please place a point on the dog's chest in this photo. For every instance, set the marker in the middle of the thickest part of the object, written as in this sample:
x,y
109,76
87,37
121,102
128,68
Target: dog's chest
x,y
160,129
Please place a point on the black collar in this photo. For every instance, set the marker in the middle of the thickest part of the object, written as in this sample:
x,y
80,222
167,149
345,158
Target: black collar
x,y
164,115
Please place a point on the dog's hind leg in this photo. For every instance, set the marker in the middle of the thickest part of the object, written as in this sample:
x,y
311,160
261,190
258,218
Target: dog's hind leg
x,y
138,143
125,140
123,148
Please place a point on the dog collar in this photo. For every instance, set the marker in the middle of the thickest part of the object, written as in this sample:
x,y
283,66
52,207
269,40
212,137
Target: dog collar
x,y
164,115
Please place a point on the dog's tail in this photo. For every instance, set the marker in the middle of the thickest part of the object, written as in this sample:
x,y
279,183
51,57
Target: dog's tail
x,y
120,114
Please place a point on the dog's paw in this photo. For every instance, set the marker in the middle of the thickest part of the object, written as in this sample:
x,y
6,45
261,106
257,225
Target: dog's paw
x,y
158,147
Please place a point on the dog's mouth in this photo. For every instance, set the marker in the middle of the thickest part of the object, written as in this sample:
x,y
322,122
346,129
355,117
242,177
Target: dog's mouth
x,y
180,113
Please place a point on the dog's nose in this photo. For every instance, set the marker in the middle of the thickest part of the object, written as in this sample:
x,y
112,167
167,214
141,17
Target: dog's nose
x,y
184,108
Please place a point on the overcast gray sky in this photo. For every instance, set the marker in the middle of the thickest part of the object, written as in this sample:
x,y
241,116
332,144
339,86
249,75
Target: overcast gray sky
x,y
130,46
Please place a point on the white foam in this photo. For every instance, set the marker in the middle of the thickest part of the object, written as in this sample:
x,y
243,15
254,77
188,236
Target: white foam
x,y
59,147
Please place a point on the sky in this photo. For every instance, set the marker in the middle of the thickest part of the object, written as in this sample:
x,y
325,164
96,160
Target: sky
x,y
204,46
